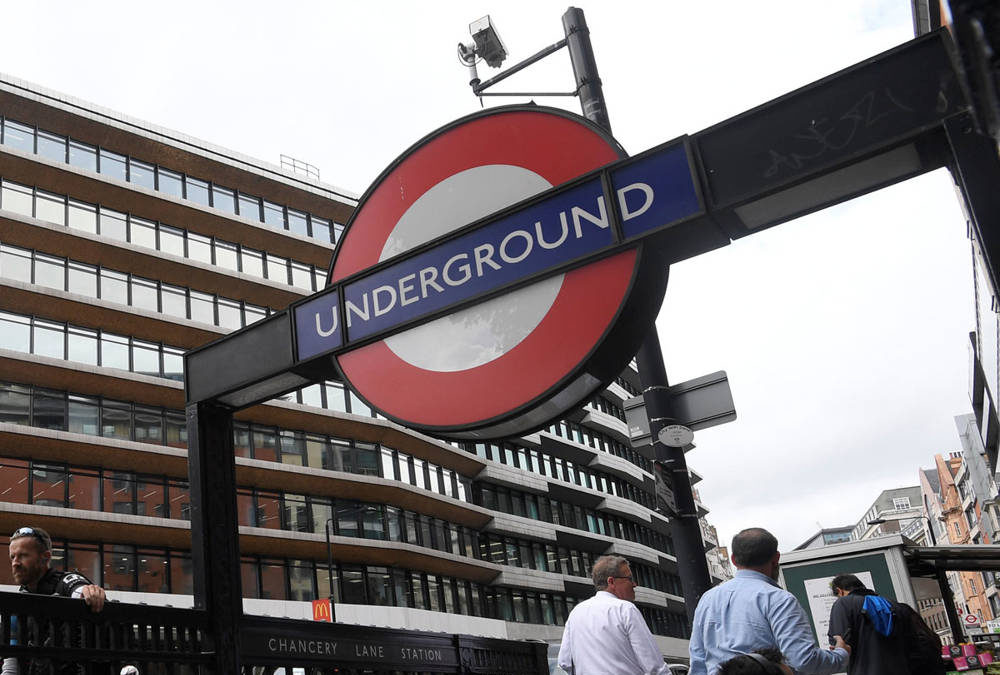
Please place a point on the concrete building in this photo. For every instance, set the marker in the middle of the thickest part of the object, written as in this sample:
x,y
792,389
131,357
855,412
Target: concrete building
x,y
121,246
896,511
959,517
984,528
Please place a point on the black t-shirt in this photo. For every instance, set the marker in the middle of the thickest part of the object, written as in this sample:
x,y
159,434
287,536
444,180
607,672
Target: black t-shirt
x,y
53,582
871,652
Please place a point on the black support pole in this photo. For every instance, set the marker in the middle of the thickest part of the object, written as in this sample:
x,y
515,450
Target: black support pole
x,y
692,566
949,607
685,530
581,55
215,550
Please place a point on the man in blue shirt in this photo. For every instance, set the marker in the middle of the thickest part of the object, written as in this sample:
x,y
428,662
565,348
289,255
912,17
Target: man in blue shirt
x,y
751,612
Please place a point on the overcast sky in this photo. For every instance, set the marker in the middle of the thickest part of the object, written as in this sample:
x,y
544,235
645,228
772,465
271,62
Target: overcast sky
x,y
845,334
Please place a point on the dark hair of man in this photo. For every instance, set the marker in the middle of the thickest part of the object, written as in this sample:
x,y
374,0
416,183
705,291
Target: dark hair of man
x,y
38,534
847,582
762,662
754,547
604,567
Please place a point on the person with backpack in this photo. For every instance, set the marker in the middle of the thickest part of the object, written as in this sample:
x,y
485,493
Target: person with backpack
x,y
885,637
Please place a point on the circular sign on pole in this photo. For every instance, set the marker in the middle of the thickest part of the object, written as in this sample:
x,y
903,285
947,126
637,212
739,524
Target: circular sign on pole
x,y
515,361
676,436
971,620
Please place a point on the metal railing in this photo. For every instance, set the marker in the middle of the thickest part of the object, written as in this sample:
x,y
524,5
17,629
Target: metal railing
x,y
55,633
62,635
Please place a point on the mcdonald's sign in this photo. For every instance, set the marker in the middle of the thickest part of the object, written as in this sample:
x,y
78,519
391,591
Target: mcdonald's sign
x,y
322,610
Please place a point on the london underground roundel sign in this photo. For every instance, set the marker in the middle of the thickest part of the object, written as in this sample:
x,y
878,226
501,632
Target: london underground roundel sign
x,y
514,361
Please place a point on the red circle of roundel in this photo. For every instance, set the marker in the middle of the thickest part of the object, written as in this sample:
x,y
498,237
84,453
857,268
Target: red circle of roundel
x,y
558,148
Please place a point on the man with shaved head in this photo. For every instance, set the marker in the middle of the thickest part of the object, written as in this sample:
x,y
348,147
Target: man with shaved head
x,y
750,612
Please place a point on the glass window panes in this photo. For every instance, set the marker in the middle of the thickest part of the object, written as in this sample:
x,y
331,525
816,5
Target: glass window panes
x,y
142,232
302,276
16,198
48,339
320,228
142,174
82,217
82,345
229,314
48,410
173,300
223,199
202,307
112,164
82,279
50,271
84,418
112,224
114,286
197,190
226,255
114,351
250,207
277,269
173,367
50,207
82,156
145,358
199,248
298,223
144,294
18,136
252,262
52,146
274,215
171,240
15,332
252,313
170,182
15,263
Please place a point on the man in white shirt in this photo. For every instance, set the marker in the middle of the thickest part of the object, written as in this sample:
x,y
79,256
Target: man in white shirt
x,y
606,634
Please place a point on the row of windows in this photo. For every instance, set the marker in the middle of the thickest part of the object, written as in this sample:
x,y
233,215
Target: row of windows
x,y
31,335
607,406
535,555
92,489
551,466
58,148
36,406
599,441
121,567
540,507
95,281
94,219
98,416
626,385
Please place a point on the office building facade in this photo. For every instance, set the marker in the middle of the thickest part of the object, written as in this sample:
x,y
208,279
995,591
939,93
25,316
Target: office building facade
x,y
123,245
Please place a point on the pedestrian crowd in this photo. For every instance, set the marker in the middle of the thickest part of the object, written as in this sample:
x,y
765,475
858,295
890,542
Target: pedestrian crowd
x,y
749,625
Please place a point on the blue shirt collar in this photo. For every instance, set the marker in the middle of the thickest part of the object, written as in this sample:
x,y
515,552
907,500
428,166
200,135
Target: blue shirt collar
x,y
753,574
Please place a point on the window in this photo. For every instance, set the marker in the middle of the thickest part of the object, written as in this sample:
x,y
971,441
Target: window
x,y
142,174
82,217
112,164
18,136
16,198
82,155
900,503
